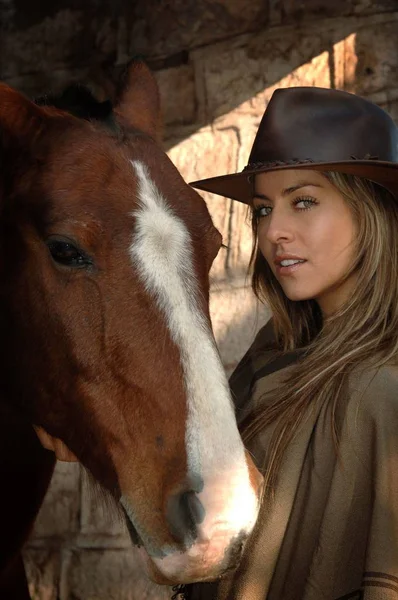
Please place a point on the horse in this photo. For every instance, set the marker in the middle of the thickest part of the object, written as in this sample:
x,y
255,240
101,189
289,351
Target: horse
x,y
107,351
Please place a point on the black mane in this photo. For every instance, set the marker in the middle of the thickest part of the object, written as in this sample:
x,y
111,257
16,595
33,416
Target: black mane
x,y
80,102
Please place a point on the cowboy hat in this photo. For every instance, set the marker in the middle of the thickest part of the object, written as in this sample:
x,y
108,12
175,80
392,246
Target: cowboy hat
x,y
319,129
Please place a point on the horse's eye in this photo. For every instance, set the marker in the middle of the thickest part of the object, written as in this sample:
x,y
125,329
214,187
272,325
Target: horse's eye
x,y
67,254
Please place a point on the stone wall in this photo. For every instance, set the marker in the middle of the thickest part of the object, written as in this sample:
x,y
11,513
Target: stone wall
x,y
217,64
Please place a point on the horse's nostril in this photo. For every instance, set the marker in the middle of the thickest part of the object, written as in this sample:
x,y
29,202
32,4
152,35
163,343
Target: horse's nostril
x,y
195,506
184,512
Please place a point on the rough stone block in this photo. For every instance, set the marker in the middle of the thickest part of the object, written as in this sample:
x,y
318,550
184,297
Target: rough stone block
x,y
111,575
377,58
364,7
177,93
59,514
293,10
166,28
288,11
244,72
52,36
236,317
99,512
210,152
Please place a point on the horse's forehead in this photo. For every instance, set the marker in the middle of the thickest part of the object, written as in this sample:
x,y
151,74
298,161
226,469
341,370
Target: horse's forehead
x,y
99,171
88,160
100,159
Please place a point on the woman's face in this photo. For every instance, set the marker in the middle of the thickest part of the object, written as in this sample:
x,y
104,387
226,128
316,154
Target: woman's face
x,y
306,233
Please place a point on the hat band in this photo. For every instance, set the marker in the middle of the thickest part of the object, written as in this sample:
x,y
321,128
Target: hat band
x,y
276,163
253,166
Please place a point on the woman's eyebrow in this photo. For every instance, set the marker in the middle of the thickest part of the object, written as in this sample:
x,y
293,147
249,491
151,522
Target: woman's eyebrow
x,y
289,190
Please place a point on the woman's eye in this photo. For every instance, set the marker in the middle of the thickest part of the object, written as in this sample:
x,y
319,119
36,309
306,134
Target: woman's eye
x,y
304,203
67,254
261,211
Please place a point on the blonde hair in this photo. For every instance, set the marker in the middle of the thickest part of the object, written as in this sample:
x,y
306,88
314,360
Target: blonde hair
x,y
365,327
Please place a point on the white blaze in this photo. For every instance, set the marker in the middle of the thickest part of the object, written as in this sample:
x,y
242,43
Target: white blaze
x,y
161,252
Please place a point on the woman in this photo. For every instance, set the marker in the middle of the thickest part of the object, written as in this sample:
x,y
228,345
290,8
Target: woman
x,y
317,393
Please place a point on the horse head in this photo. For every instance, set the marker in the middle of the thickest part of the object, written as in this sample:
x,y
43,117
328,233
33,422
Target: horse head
x,y
107,347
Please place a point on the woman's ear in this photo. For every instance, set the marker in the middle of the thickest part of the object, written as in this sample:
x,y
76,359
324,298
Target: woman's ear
x,y
138,102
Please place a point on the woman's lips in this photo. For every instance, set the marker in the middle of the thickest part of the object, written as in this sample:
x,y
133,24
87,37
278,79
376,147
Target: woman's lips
x,y
290,269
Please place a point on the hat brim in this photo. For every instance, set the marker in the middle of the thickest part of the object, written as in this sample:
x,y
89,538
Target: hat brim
x,y
238,187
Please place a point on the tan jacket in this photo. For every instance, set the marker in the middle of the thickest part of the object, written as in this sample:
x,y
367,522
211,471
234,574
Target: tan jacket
x,y
332,531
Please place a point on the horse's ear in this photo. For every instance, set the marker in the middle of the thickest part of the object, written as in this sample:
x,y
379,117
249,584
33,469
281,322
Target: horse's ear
x,y
138,101
21,124
19,116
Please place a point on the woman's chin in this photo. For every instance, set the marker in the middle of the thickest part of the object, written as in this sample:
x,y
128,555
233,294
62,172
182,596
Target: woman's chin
x,y
297,295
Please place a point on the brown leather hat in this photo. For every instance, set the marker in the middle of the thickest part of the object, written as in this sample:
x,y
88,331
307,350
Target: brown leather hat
x,y
320,129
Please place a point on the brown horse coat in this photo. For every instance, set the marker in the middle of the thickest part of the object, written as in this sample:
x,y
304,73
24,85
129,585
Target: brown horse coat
x,y
332,530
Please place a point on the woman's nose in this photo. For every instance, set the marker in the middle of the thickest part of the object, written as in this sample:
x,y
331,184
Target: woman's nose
x,y
279,228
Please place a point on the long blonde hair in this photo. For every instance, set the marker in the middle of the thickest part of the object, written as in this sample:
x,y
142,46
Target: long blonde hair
x,y
365,327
